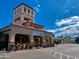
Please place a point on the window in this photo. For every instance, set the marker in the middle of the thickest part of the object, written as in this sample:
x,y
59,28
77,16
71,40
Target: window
x,y
20,9
25,18
32,12
24,9
17,19
28,10
15,12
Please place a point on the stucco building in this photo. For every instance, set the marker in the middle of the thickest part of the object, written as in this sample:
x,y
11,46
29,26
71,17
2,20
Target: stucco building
x,y
24,33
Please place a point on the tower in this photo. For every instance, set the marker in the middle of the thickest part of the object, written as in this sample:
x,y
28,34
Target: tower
x,y
23,13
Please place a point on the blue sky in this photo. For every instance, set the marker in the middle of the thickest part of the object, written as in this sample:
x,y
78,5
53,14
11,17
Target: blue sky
x,y
49,13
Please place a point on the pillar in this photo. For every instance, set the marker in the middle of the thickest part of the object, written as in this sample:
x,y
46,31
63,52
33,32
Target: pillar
x,y
31,39
11,40
22,17
52,38
44,41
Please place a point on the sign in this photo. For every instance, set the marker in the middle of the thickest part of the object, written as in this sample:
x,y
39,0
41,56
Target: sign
x,y
37,33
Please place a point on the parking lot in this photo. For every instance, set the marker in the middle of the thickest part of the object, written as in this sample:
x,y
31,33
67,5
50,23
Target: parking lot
x,y
66,51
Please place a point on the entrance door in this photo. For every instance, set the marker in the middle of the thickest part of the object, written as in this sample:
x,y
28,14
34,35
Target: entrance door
x,y
22,41
38,41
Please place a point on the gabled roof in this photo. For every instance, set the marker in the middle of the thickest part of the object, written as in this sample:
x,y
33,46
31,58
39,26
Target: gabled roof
x,y
25,5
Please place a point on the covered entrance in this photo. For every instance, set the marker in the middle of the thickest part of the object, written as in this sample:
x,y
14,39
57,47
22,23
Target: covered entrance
x,y
48,41
38,38
38,41
22,41
4,39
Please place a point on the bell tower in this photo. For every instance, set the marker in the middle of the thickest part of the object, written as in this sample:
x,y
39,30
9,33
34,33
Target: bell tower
x,y
23,13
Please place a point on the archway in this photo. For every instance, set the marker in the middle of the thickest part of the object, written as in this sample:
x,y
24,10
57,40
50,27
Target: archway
x,y
38,41
22,41
4,40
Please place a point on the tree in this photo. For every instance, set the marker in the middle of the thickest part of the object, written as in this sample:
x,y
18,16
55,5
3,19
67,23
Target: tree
x,y
77,40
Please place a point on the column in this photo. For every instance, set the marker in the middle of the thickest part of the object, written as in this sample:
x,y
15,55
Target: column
x,y
26,10
31,40
44,41
52,38
22,17
11,40
22,9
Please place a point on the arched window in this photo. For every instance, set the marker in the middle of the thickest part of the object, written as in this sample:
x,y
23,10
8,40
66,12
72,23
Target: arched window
x,y
15,12
28,10
20,9
24,9
32,12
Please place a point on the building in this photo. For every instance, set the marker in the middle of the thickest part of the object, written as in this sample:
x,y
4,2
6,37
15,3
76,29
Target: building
x,y
24,33
56,40
67,41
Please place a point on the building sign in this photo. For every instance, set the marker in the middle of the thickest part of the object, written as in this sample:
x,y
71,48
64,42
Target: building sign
x,y
37,33
47,34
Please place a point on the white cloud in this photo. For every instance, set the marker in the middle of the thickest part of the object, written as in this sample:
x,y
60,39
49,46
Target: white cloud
x,y
57,20
68,21
62,22
37,9
71,28
51,31
38,5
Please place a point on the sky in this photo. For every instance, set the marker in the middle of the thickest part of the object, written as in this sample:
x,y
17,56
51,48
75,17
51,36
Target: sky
x,y
57,16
